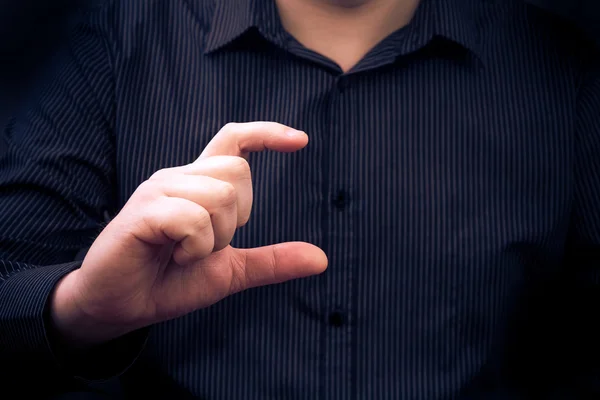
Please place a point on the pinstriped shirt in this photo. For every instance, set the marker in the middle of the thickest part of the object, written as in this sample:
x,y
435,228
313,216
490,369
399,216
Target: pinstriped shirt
x,y
452,177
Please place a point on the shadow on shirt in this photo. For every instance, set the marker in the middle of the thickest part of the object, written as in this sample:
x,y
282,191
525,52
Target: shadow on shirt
x,y
31,31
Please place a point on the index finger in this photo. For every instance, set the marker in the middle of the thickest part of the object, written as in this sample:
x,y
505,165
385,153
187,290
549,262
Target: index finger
x,y
238,139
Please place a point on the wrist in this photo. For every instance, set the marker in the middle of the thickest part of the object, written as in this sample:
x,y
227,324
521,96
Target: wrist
x,y
72,327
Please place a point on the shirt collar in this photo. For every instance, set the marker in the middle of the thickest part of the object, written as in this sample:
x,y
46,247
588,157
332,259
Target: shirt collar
x,y
455,20
231,19
461,22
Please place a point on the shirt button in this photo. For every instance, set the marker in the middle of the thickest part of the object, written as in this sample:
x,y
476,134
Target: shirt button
x,y
337,319
340,201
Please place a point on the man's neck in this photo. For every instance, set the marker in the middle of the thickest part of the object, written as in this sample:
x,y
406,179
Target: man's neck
x,y
344,30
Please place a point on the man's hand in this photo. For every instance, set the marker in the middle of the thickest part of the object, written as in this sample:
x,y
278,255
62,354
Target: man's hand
x,y
167,252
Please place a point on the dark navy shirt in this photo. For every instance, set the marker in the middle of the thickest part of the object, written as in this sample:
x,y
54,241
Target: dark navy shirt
x,y
452,177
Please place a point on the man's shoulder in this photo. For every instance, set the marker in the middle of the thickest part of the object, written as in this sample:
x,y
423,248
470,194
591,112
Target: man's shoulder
x,y
138,22
558,34
540,38
135,6
559,30
127,14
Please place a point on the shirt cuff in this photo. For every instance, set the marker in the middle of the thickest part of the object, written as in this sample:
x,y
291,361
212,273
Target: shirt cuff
x,y
23,296
26,333
103,362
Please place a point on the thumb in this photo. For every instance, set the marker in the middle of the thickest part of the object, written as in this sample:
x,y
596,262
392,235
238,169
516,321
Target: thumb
x,y
277,263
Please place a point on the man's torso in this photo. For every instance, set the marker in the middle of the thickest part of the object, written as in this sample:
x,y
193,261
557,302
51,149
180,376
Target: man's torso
x,y
438,179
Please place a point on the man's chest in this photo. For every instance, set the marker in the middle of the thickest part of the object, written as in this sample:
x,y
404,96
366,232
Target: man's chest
x,y
406,151
438,192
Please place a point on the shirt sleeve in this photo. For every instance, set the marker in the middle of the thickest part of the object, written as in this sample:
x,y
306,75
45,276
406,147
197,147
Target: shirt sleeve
x,y
582,261
56,185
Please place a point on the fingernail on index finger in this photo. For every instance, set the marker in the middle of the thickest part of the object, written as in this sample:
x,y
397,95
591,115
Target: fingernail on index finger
x,y
294,133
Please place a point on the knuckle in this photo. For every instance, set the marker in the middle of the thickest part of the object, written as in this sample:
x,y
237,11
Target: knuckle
x,y
226,194
229,127
243,220
148,189
201,220
205,243
161,174
149,219
239,279
240,168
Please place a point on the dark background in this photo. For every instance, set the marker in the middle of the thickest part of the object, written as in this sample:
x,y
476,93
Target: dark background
x,y
31,30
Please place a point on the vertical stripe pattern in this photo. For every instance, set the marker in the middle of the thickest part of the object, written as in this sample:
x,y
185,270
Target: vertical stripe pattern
x,y
452,177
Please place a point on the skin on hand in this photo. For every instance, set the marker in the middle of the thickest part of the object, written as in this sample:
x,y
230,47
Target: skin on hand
x,y
167,252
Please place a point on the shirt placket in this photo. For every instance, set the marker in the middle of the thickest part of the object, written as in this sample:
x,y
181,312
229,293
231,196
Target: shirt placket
x,y
339,241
